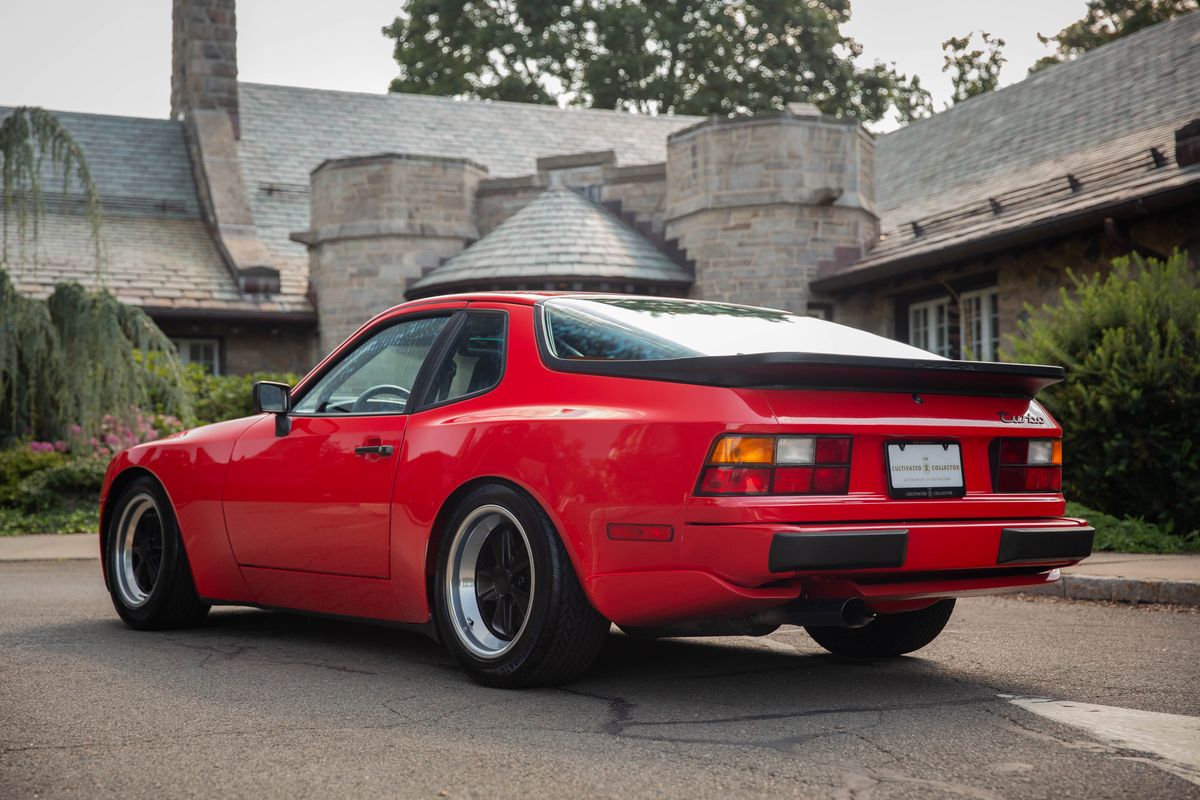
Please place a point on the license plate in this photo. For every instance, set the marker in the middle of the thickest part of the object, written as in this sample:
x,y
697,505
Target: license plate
x,y
925,470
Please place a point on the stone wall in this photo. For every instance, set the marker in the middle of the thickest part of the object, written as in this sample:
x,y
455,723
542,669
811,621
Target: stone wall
x,y
378,222
760,203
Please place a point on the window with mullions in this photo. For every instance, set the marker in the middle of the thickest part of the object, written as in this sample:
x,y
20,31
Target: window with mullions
x,y
929,326
980,324
205,352
968,329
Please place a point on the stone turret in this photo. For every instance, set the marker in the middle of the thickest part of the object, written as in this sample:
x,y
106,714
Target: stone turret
x,y
762,203
377,222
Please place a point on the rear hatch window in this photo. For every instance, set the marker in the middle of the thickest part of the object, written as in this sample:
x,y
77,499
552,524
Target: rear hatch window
x,y
653,329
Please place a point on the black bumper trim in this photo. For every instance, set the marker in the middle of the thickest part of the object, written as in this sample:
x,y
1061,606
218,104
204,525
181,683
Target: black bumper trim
x,y
1031,545
802,552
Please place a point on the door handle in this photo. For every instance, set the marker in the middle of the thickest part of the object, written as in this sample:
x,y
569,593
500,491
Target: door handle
x,y
374,450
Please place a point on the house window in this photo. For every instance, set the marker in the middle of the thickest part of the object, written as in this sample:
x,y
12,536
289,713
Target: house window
x,y
980,321
967,329
929,326
820,311
205,352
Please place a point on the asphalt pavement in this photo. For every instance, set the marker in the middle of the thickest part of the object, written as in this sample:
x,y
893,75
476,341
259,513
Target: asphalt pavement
x,y
1019,698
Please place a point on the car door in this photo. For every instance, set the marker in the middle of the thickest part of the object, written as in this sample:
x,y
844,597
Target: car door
x,y
314,493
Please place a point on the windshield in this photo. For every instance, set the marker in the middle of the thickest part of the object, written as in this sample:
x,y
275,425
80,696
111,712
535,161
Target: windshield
x,y
651,328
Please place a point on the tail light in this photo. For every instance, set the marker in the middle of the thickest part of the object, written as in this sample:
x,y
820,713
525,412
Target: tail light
x,y
777,465
1028,465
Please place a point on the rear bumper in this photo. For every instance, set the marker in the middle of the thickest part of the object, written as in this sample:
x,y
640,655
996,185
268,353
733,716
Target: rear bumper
x,y
738,570
857,550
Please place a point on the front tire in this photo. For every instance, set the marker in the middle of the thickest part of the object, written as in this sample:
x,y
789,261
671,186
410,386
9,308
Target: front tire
x,y
149,577
888,635
509,604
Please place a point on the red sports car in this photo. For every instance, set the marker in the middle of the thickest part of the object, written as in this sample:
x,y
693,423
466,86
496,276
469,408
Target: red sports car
x,y
514,472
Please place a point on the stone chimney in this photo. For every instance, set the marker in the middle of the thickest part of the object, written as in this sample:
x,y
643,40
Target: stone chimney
x,y
204,58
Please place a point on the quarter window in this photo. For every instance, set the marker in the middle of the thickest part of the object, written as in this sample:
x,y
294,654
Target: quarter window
x,y
475,360
378,375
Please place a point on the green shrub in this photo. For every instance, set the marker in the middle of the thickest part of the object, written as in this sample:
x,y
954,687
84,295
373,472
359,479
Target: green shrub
x,y
85,519
221,397
1131,534
18,463
73,483
1130,343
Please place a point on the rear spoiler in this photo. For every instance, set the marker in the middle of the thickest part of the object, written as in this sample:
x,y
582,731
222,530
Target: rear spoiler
x,y
823,371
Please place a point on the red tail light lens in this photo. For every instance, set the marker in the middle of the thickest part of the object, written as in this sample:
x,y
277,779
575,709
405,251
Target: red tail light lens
x,y
778,465
1028,465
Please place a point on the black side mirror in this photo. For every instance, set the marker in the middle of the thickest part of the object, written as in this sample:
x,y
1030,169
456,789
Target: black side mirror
x,y
273,397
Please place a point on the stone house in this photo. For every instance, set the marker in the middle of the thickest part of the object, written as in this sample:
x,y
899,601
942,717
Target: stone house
x,y
261,224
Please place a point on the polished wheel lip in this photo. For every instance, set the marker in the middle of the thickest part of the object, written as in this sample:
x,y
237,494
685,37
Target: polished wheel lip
x,y
460,592
128,549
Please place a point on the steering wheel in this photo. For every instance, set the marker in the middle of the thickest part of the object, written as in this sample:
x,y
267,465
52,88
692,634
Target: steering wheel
x,y
361,402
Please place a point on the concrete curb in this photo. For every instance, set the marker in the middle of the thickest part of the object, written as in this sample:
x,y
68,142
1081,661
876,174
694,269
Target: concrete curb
x,y
1122,590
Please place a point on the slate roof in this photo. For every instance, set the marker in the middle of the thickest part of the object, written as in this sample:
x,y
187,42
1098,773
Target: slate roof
x,y
559,235
286,132
1095,117
157,250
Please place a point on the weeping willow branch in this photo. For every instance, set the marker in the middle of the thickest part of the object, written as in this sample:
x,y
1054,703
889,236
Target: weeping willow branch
x,y
77,356
28,137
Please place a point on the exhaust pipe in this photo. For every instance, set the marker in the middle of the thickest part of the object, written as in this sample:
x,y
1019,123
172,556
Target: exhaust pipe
x,y
849,613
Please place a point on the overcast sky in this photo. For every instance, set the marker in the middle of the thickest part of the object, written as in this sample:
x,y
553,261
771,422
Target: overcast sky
x,y
114,56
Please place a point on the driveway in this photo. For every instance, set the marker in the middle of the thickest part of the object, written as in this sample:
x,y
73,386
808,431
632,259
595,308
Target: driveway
x,y
264,704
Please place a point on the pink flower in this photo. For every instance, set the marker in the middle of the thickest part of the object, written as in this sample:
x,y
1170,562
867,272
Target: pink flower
x,y
60,446
75,430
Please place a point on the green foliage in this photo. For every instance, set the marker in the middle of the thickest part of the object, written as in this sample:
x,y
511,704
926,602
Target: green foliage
x,y
17,464
682,56
1129,341
1131,534
220,397
27,137
74,482
973,70
1105,21
29,369
77,356
14,521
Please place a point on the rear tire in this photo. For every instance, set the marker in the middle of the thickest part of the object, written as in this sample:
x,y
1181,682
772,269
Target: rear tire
x,y
888,635
509,605
149,577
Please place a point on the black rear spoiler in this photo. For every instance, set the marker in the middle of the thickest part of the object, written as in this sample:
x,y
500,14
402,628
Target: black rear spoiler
x,y
822,371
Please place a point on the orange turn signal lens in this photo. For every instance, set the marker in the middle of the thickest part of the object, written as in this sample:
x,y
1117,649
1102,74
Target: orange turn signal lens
x,y
743,450
1056,456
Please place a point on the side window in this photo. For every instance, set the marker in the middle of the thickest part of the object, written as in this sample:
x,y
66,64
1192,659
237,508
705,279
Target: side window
x,y
475,360
378,375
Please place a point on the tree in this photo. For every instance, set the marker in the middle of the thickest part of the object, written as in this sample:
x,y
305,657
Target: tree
x,y
1105,21
1128,341
974,70
77,356
682,56
28,136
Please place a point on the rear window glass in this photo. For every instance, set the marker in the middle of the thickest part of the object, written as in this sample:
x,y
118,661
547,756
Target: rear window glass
x,y
651,328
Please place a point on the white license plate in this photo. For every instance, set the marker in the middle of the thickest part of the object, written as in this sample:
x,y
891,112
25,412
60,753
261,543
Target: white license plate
x,y
925,470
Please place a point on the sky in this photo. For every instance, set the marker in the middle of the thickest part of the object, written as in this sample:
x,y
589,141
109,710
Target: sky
x,y
114,56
